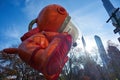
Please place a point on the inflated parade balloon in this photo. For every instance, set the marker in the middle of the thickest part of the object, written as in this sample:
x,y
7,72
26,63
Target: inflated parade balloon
x,y
46,46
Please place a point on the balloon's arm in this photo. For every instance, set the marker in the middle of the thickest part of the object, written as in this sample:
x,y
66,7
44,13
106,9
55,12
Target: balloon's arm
x,y
30,33
11,50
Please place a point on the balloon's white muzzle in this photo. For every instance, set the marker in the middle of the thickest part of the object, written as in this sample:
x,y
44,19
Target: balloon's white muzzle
x,y
69,27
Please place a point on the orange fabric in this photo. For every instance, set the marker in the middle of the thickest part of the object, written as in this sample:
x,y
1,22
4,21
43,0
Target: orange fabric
x,y
30,44
51,18
30,33
11,50
49,57
43,48
58,56
45,52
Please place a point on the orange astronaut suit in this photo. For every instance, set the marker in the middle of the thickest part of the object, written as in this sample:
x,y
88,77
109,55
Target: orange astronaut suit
x,y
45,47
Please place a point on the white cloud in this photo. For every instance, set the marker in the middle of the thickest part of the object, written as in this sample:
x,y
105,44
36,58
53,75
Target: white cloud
x,y
12,32
10,36
27,1
93,23
32,8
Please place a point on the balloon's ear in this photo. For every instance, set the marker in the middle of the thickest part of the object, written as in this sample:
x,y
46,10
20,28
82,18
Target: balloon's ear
x,y
31,24
11,50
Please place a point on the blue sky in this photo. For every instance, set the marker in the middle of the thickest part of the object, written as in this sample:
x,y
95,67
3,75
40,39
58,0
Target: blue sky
x,y
88,15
